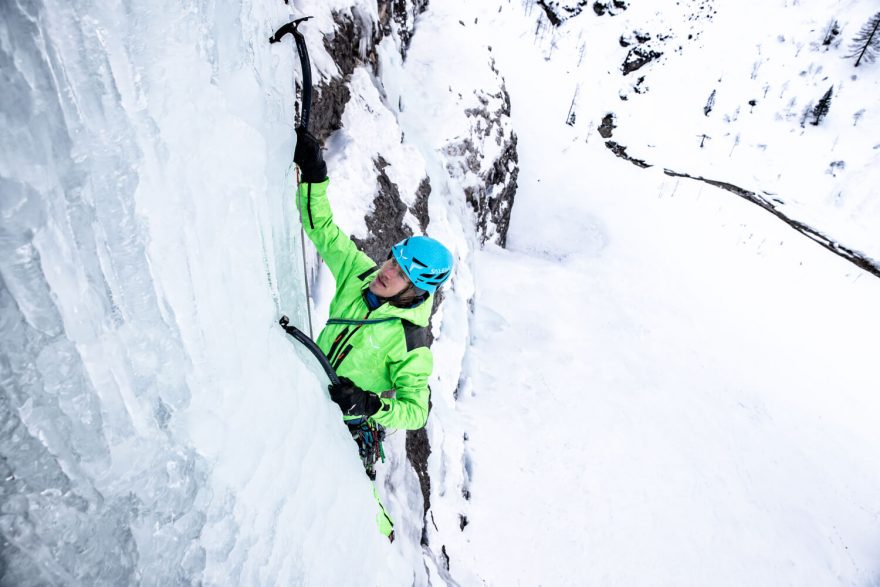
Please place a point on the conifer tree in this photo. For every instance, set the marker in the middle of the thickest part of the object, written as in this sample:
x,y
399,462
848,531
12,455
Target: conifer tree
x,y
822,107
710,104
831,33
866,45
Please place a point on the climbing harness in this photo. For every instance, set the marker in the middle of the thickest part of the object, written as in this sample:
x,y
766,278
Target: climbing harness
x,y
369,437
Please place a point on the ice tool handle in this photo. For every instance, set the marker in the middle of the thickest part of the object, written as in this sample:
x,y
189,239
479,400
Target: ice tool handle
x,y
293,28
313,348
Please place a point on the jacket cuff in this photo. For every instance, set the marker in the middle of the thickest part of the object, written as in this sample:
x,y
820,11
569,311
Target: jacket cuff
x,y
317,174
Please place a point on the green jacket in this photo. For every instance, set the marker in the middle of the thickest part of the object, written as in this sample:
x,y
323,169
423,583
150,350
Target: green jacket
x,y
382,350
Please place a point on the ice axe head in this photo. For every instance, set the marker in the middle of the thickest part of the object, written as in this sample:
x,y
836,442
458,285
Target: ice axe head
x,y
290,27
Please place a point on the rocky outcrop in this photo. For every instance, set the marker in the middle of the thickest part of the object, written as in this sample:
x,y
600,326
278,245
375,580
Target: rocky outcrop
x,y
385,222
328,104
609,7
620,151
606,129
558,11
643,49
397,17
418,449
487,164
637,58
385,225
331,96
354,43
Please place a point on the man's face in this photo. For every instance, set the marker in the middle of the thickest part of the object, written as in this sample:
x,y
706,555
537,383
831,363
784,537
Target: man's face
x,y
390,280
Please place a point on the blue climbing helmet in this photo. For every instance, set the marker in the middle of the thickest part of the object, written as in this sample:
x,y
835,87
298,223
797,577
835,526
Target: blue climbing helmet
x,y
425,261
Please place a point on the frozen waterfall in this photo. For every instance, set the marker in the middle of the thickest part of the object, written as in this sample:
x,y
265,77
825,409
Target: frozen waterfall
x,y
156,425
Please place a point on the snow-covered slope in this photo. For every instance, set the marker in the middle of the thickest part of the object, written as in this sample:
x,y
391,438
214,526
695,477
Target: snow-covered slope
x,y
728,92
663,384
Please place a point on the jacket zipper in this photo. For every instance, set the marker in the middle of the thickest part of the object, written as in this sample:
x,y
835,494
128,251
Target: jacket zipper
x,y
342,355
339,337
309,205
338,360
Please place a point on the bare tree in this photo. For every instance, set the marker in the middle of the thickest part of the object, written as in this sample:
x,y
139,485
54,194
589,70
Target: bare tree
x,y
866,45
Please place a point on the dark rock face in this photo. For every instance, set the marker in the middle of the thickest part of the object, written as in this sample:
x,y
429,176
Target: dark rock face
x,y
345,44
620,151
493,201
328,104
330,97
385,223
609,7
397,17
418,449
487,164
606,129
637,58
420,208
558,11
354,43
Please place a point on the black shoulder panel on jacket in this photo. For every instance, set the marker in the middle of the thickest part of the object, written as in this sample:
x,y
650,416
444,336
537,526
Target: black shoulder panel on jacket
x,y
367,273
416,336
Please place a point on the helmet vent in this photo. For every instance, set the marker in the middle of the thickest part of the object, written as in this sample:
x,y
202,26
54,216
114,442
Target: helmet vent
x,y
438,278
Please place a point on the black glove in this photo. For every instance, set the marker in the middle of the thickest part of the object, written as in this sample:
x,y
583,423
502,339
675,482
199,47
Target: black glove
x,y
354,401
308,156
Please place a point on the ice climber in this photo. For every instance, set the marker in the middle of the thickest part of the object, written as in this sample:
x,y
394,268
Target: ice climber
x,y
376,336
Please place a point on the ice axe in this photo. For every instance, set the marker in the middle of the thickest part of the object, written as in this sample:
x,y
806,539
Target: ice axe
x,y
293,28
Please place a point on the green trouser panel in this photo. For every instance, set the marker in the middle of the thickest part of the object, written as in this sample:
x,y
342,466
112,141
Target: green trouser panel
x,y
383,520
